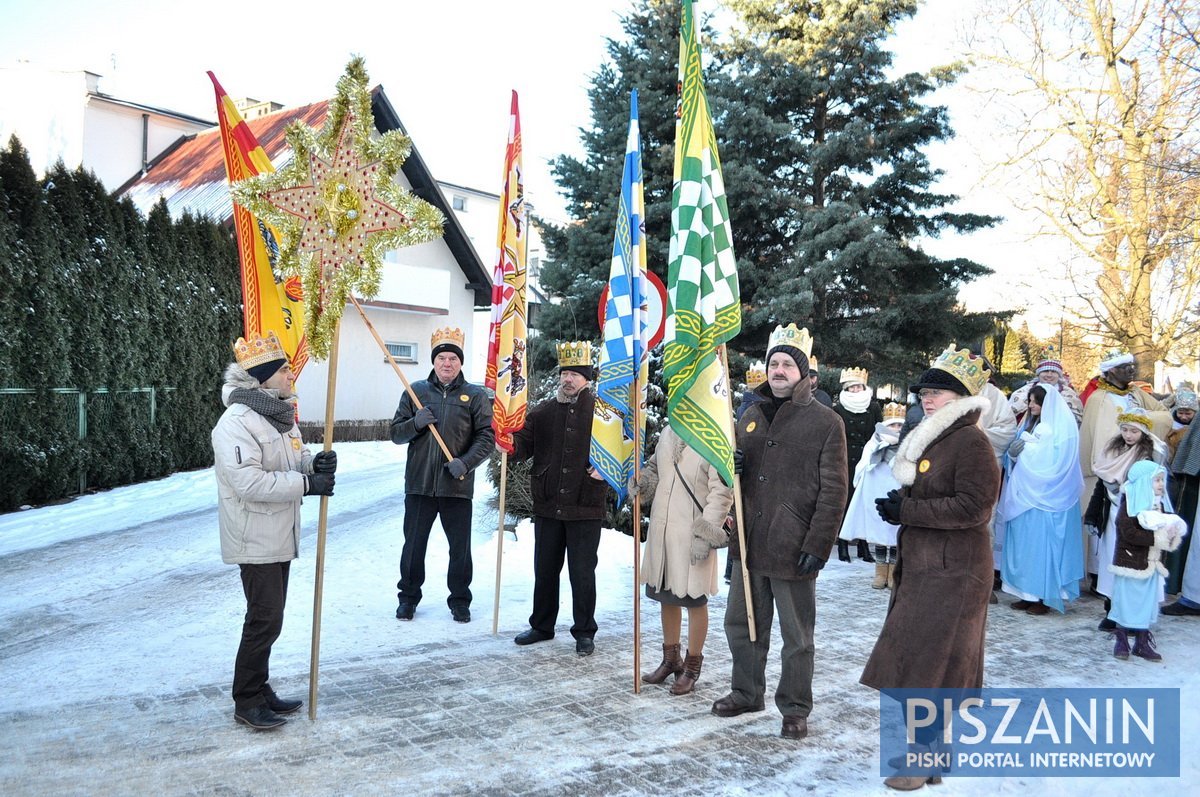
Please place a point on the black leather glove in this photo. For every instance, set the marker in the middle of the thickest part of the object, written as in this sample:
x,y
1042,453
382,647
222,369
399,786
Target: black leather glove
x,y
423,418
457,468
889,507
320,484
809,563
325,462
739,461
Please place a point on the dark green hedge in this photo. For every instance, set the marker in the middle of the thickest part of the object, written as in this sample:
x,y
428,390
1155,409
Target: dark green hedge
x,y
93,295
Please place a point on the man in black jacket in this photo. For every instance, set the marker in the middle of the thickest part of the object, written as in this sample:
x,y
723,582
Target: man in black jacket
x,y
568,500
434,487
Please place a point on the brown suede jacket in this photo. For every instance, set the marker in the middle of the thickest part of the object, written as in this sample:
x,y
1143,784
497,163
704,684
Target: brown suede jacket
x,y
794,482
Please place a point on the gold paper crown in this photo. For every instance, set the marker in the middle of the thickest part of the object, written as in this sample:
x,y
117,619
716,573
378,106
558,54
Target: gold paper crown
x,y
1135,415
257,351
756,374
447,335
575,354
963,366
893,412
791,336
854,375
813,365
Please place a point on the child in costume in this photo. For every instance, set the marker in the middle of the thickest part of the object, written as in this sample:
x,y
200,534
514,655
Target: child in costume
x,y
873,479
1146,528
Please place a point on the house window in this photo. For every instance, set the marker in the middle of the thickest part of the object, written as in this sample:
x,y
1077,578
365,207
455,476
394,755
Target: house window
x,y
402,352
459,202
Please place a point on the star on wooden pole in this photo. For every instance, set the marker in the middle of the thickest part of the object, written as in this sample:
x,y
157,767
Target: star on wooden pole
x,y
338,206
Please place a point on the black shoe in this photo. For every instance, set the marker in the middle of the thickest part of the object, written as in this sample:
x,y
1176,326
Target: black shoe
x,y
405,611
1179,609
461,614
532,636
259,717
584,646
843,551
278,704
864,552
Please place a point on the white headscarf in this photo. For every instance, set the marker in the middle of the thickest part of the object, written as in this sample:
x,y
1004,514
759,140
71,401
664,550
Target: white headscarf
x,y
1047,474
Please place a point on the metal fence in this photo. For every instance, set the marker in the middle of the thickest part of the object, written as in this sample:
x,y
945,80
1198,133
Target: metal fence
x,y
74,410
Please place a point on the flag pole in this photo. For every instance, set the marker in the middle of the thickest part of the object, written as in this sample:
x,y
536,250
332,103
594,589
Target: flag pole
x,y
322,523
412,394
636,401
739,513
499,542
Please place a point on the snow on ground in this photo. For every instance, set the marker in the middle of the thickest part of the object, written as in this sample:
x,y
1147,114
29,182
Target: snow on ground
x,y
122,595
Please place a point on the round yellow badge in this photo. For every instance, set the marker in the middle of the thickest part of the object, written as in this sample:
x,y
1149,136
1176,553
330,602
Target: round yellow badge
x,y
924,466
295,443
750,428
464,397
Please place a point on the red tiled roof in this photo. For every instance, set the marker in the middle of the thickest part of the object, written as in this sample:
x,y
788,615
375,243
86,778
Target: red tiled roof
x,y
202,160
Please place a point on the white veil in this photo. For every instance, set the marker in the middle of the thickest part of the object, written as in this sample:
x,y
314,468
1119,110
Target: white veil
x,y
1046,475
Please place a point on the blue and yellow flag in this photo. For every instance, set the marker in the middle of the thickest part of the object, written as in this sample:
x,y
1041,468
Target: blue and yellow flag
x,y
704,306
623,352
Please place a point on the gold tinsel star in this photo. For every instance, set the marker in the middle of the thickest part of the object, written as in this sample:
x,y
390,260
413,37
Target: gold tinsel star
x,y
338,207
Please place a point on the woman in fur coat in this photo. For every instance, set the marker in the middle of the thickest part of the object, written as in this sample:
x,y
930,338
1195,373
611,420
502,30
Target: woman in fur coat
x,y
933,636
688,506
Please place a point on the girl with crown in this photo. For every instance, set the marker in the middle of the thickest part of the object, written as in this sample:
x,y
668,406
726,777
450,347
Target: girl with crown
x,y
1133,443
873,479
1146,528
861,414
1042,562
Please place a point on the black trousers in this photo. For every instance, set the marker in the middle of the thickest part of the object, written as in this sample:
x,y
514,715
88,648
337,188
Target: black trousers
x,y
579,540
419,514
266,593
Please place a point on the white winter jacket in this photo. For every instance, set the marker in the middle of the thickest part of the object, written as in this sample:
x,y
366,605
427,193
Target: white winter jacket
x,y
260,481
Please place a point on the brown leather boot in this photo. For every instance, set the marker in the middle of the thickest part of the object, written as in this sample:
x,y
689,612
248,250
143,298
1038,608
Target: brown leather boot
x,y
685,682
891,576
671,665
881,576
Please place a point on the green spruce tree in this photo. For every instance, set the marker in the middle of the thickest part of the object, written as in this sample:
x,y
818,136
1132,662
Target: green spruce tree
x,y
850,153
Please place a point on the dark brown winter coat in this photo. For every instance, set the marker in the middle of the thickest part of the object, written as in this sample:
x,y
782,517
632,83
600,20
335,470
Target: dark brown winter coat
x,y
1139,550
933,636
558,436
794,482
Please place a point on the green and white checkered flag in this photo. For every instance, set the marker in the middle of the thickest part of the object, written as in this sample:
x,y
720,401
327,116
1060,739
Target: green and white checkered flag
x,y
704,305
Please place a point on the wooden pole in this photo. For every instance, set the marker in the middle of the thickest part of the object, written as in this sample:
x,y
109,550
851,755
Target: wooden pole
x,y
637,534
411,393
739,513
322,523
499,542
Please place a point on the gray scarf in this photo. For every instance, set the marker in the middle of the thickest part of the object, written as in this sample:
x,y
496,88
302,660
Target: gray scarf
x,y
1187,456
279,413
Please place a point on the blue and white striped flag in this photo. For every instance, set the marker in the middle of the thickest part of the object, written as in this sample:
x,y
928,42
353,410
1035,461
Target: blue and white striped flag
x,y
623,353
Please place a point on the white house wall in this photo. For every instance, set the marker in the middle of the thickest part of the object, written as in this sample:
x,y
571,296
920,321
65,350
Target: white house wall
x,y
112,139
45,110
368,388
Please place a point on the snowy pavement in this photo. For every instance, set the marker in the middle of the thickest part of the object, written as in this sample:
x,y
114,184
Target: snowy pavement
x,y
119,623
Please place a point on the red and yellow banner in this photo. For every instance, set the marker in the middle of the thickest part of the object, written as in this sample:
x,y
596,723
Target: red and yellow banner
x,y
271,303
507,363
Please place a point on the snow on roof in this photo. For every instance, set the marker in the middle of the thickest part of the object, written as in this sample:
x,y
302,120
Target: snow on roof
x,y
191,174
